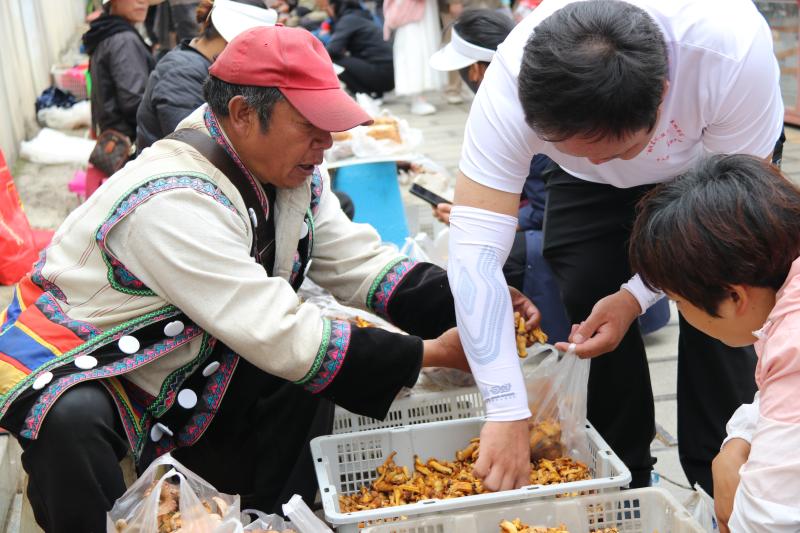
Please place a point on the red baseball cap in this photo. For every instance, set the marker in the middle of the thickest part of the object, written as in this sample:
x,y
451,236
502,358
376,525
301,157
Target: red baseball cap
x,y
297,63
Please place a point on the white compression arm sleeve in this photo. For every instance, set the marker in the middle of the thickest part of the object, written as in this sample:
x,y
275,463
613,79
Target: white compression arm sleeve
x,y
480,241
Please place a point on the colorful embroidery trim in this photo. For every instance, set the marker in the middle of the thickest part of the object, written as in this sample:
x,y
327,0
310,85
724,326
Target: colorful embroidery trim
x,y
45,284
323,347
121,366
385,284
118,276
335,353
68,357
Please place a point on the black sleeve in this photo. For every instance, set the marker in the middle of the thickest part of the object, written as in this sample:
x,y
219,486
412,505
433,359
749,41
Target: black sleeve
x,y
377,364
342,31
422,303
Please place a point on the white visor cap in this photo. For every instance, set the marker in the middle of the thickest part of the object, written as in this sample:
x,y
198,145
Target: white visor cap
x,y
232,18
459,54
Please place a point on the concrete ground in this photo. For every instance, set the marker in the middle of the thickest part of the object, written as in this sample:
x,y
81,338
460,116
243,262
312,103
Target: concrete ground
x,y
44,192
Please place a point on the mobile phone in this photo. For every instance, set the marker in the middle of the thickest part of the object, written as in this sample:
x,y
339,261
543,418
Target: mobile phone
x,y
429,196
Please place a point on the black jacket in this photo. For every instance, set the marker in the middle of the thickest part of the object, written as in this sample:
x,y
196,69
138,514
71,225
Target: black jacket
x,y
119,63
355,32
174,90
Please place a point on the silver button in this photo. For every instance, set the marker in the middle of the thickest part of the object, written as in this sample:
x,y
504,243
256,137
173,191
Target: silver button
x,y
211,368
304,230
253,218
164,429
174,328
85,362
156,433
128,344
187,398
42,380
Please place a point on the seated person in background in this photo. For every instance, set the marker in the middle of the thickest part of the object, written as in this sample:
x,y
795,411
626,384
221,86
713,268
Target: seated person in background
x,y
119,63
175,87
357,45
723,241
476,34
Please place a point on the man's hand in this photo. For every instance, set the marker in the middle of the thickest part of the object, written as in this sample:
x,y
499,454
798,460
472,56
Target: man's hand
x,y
603,330
725,469
442,213
445,351
521,304
504,460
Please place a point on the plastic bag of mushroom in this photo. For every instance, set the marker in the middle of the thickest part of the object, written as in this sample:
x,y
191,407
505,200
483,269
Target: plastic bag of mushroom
x,y
170,498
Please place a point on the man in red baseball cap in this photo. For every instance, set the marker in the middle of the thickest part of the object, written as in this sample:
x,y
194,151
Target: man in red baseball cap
x,y
296,63
171,320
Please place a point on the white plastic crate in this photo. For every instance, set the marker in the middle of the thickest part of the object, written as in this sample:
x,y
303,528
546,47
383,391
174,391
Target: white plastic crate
x,y
344,463
424,407
645,510
420,408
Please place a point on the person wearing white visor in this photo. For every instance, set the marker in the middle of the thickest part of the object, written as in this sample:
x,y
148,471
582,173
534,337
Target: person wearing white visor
x,y
175,87
476,34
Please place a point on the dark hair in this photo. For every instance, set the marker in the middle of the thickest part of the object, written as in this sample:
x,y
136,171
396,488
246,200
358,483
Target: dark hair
x,y
732,220
203,17
486,28
263,99
593,69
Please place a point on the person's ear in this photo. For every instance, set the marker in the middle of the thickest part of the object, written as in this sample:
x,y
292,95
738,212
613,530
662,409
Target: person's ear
x,y
241,116
740,298
474,73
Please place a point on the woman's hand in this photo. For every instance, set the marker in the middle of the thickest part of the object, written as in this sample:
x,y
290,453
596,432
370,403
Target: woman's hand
x,y
522,305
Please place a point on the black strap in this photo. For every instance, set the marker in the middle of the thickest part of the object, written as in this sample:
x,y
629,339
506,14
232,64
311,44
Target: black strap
x,y
263,248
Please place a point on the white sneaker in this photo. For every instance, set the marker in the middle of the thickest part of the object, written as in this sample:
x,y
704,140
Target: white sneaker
x,y
422,107
454,98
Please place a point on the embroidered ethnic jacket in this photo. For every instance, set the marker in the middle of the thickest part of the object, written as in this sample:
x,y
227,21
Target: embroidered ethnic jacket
x,y
149,288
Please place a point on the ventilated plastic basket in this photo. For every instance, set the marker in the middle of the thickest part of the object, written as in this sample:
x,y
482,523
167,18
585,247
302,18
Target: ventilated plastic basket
x,y
647,510
72,79
346,462
424,407
420,408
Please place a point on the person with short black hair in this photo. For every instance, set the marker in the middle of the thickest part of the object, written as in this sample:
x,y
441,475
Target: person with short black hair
x,y
621,95
723,241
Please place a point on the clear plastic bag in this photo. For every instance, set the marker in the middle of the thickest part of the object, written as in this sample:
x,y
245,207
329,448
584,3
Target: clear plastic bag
x,y
269,523
701,506
169,497
557,399
303,519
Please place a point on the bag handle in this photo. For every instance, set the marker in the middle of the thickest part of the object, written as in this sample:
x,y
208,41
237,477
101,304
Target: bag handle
x,y
263,247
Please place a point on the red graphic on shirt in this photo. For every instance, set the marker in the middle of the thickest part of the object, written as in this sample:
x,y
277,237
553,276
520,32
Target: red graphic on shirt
x,y
673,134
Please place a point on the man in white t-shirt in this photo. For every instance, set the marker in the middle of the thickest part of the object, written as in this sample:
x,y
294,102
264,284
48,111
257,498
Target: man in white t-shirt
x,y
620,95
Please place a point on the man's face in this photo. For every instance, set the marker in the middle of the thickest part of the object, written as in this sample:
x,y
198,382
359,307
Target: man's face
x,y
133,11
287,153
602,150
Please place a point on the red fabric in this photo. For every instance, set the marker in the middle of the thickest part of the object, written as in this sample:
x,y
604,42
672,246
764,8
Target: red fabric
x,y
18,250
94,178
297,63
397,13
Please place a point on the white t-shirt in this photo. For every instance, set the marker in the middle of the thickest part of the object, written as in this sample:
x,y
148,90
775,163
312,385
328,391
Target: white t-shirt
x,y
724,97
